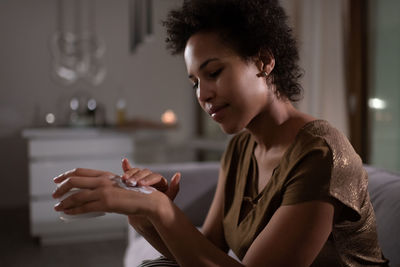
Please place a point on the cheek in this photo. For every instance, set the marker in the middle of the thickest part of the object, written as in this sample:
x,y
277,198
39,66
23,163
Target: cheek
x,y
258,85
245,75
253,96
251,87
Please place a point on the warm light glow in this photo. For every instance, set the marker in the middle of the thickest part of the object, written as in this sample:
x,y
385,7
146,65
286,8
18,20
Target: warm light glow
x,y
376,103
50,118
168,117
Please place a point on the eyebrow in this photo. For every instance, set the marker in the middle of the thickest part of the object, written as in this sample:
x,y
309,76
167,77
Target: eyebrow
x,y
204,64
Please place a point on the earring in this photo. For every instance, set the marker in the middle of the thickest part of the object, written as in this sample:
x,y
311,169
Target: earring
x,y
262,74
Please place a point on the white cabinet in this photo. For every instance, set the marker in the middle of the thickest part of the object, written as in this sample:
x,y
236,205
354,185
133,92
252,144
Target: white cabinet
x,y
56,150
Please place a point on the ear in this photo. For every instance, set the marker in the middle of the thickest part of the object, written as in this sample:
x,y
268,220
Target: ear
x,y
265,61
270,66
259,64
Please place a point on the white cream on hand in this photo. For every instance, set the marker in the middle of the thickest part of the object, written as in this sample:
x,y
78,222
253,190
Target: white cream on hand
x,y
133,187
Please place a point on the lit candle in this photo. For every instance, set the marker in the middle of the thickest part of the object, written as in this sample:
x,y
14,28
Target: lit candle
x,y
168,117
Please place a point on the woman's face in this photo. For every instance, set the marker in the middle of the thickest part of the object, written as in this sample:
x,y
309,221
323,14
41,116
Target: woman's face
x,y
227,87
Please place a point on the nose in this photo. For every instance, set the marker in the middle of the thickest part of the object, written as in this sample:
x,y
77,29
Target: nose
x,y
205,92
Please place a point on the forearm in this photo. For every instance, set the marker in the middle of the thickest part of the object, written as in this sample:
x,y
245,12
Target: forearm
x,y
188,246
146,229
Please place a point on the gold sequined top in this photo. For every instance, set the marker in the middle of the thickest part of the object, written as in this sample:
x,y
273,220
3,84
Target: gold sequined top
x,y
319,165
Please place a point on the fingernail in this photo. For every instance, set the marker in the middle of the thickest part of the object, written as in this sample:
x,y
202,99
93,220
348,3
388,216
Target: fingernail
x,y
178,179
131,182
58,206
62,183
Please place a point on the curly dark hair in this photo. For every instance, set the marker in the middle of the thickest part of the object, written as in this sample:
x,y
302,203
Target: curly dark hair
x,y
251,27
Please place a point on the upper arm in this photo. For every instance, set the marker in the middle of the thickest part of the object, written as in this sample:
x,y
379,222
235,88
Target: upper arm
x,y
212,227
293,237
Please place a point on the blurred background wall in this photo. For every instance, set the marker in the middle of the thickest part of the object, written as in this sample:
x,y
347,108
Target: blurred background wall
x,y
149,79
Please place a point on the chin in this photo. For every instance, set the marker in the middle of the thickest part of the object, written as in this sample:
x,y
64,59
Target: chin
x,y
230,130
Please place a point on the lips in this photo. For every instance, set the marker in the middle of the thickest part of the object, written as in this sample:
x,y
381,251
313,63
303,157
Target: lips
x,y
213,110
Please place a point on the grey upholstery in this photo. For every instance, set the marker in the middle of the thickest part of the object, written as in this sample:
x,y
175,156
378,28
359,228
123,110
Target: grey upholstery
x,y
197,186
384,190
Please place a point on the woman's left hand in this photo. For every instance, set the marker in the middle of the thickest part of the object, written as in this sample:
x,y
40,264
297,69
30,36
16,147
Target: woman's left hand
x,y
98,193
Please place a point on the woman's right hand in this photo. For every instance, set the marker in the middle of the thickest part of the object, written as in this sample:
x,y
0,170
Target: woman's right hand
x,y
146,177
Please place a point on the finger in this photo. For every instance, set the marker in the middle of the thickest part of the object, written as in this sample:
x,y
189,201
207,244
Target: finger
x,y
111,200
78,201
129,173
80,172
82,183
63,176
127,177
153,179
161,186
174,186
137,176
75,199
126,166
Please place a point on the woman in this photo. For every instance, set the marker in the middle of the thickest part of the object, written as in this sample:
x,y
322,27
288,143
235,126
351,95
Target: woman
x,y
291,189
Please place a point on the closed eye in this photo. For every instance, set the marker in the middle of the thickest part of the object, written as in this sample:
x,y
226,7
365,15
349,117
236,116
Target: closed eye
x,y
216,73
212,75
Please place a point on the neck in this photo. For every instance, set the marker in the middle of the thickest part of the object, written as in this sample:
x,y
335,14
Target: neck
x,y
278,126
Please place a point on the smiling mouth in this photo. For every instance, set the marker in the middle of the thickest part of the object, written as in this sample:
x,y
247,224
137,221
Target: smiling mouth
x,y
213,111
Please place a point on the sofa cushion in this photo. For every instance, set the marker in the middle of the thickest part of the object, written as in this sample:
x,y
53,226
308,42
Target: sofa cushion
x,y
197,186
384,189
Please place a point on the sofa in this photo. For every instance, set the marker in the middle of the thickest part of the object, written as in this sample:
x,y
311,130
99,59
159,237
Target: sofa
x,y
384,190
197,188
